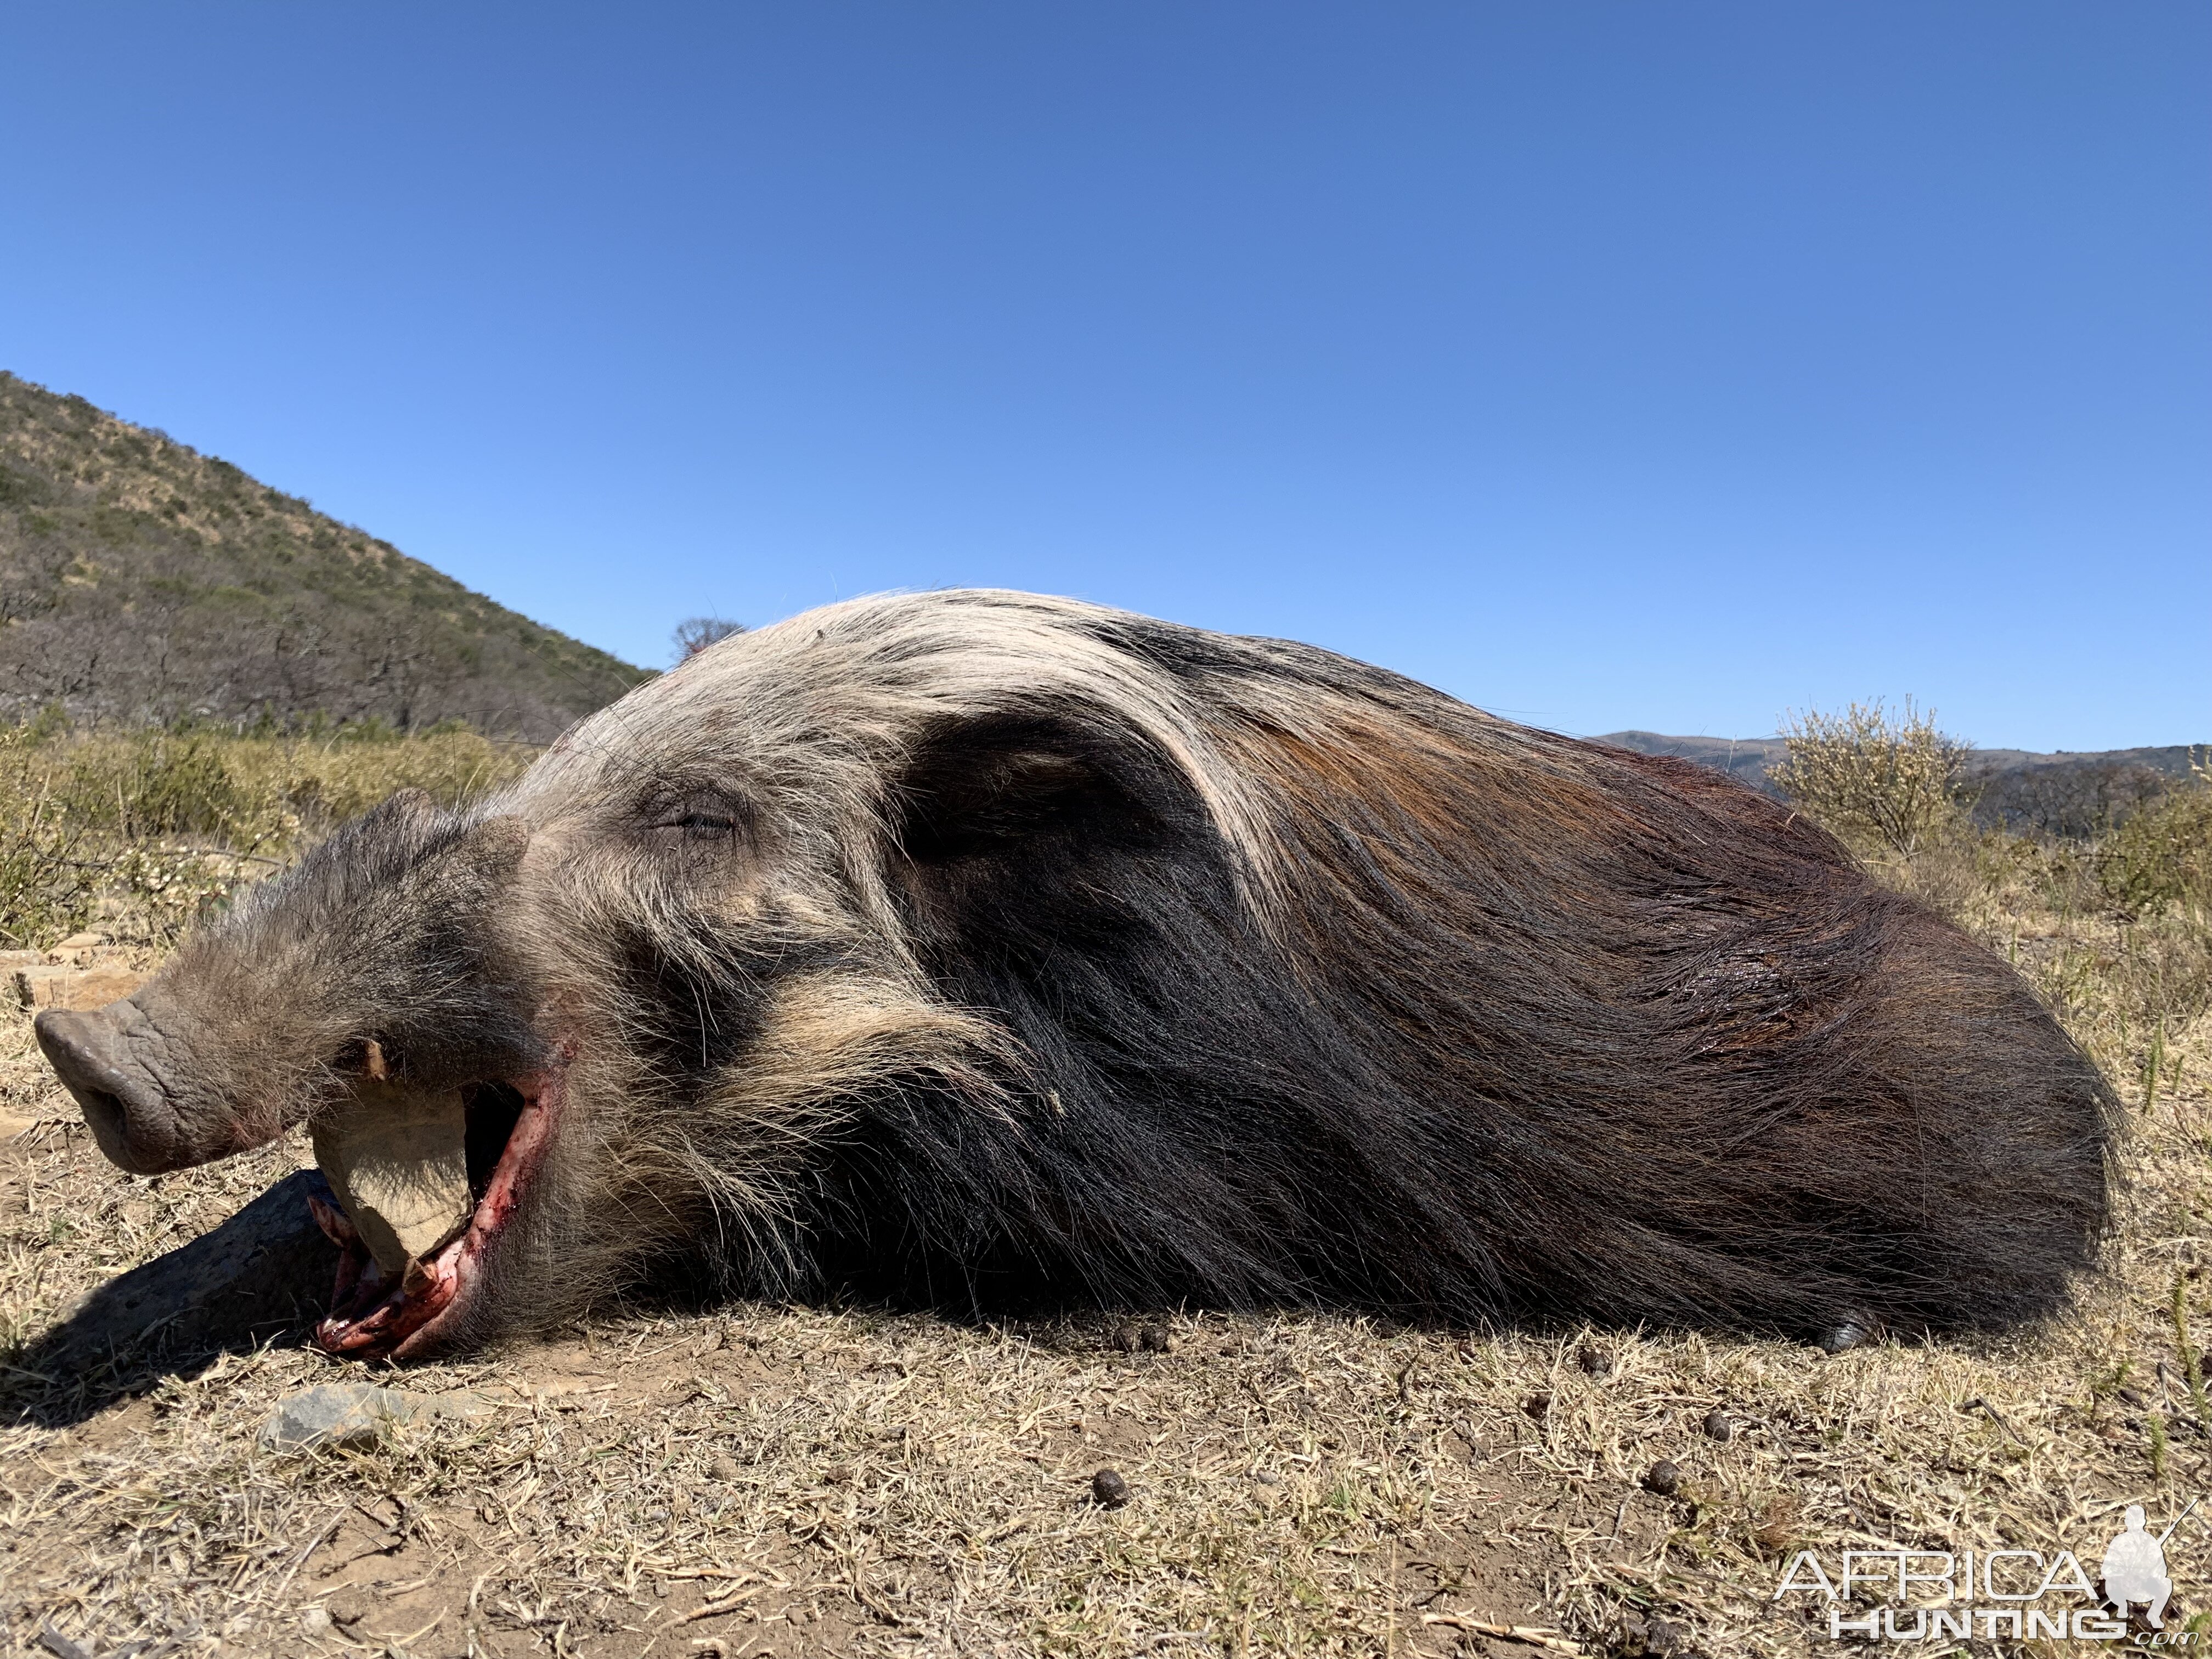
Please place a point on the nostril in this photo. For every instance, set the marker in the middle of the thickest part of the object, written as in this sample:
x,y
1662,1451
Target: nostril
x,y
103,1112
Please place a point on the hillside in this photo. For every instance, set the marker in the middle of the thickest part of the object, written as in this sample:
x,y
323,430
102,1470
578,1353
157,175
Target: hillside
x,y
2056,794
141,580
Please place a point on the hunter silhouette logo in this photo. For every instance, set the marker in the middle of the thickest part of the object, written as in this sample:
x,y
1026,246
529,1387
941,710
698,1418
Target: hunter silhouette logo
x,y
2135,1567
2016,1594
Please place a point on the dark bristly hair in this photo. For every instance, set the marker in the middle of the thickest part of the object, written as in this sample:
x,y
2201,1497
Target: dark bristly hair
x,y
1461,1021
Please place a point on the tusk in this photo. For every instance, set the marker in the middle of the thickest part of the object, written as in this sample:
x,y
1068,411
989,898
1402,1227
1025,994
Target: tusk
x,y
397,1159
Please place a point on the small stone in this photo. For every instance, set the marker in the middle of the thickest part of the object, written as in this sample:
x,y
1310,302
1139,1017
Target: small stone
x,y
315,1621
1538,1405
1663,1638
1719,1425
82,942
1662,1477
356,1414
1127,1337
2130,1396
1268,1478
1155,1339
724,1469
1594,1361
1108,1490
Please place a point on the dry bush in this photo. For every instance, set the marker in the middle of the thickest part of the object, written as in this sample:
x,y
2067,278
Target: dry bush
x,y
1880,782
2161,859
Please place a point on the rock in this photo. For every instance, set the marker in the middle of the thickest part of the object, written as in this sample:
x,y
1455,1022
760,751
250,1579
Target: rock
x,y
1108,1490
357,1414
1594,1361
723,1468
1538,1405
82,942
1841,1338
1662,1477
85,989
315,1621
1155,1339
398,1158
11,960
1127,1336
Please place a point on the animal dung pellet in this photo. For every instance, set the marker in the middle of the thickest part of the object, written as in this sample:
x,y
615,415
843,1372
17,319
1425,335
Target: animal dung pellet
x,y
1538,1405
1662,1477
1108,1490
1719,1425
1594,1361
398,1158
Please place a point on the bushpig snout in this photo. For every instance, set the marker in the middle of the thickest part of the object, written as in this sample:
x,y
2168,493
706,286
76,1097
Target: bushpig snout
x,y
98,1056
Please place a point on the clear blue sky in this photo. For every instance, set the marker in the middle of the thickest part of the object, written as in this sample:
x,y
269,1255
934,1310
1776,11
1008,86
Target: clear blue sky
x,y
1664,365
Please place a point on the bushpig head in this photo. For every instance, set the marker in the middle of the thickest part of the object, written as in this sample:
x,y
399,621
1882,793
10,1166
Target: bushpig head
x,y
368,979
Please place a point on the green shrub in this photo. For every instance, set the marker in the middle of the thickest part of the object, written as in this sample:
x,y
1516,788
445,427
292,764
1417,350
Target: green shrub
x,y
2161,857
45,887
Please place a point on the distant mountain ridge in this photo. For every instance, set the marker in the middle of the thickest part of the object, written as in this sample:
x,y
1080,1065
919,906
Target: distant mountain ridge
x,y
2059,794
141,580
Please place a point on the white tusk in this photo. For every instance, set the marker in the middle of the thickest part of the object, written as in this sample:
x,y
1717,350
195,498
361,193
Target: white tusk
x,y
397,1159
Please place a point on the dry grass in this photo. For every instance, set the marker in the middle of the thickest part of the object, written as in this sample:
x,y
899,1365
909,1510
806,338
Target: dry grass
x,y
141,831
780,1480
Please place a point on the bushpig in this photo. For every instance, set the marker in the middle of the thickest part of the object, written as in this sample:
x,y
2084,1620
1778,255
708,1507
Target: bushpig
x,y
990,951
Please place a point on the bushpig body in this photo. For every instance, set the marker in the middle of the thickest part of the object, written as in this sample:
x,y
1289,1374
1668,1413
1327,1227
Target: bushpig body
x,y
989,950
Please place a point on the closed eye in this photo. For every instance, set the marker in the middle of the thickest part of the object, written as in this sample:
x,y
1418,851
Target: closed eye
x,y
705,825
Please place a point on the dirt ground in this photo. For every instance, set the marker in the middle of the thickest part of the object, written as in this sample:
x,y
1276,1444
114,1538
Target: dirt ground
x,y
767,1480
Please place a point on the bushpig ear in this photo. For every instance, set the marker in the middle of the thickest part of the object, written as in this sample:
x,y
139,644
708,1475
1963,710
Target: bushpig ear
x,y
491,851
404,807
477,864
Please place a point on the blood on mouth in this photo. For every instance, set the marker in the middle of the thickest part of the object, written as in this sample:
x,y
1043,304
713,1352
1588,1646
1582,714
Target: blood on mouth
x,y
418,1183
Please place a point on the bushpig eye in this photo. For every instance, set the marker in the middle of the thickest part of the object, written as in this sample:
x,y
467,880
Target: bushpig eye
x,y
703,826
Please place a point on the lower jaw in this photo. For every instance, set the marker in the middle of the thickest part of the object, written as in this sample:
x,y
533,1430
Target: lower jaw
x,y
372,1317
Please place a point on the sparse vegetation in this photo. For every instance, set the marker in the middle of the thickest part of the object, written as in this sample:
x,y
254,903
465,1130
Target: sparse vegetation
x,y
143,830
142,581
771,1481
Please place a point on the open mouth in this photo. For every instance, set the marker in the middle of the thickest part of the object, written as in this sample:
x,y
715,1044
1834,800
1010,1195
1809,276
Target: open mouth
x,y
401,1287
